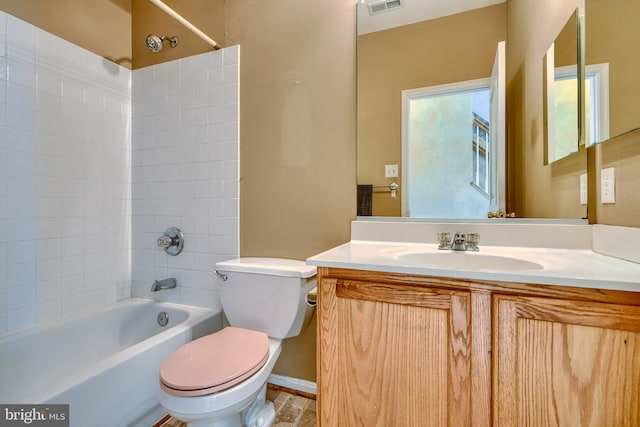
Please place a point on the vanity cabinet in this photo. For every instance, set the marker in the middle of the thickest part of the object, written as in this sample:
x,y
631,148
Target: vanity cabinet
x,y
565,362
405,350
396,354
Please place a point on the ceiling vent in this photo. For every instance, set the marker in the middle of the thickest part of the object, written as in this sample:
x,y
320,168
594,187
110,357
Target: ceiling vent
x,y
383,6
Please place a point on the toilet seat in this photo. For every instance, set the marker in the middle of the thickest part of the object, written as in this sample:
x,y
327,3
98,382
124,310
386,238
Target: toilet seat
x,y
214,362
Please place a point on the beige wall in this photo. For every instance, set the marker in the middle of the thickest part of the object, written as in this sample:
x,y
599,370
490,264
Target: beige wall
x,y
444,50
297,135
535,189
623,153
206,15
613,36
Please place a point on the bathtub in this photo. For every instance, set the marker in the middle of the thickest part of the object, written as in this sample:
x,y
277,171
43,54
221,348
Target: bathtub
x,y
103,364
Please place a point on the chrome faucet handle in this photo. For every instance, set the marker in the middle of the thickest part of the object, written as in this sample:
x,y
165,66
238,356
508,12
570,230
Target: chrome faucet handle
x,y
165,242
172,241
472,241
444,240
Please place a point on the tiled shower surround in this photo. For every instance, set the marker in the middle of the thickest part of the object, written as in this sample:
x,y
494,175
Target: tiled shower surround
x,y
87,185
185,172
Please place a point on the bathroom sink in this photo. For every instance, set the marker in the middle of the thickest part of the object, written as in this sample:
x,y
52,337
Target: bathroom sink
x,y
459,260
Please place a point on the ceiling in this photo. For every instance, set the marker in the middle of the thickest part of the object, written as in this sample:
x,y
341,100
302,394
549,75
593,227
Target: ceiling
x,y
413,11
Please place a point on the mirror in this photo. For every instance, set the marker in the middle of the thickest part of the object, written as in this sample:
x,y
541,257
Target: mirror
x,y
612,60
424,53
561,93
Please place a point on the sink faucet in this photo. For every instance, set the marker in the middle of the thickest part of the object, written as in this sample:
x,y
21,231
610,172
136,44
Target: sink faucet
x,y
460,241
164,284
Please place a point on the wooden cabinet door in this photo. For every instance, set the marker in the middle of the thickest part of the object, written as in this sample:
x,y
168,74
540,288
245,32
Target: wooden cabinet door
x,y
565,363
393,355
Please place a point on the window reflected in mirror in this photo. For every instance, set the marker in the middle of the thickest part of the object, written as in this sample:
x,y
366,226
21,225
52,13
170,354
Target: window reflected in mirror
x,y
447,151
562,90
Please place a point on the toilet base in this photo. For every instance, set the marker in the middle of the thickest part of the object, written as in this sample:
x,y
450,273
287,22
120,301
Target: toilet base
x,y
261,413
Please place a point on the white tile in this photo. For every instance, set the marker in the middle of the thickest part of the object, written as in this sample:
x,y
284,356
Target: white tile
x,y
230,131
73,109
72,89
187,83
3,253
48,249
49,311
49,207
230,93
20,229
49,270
93,280
23,74
3,72
230,113
20,318
21,96
230,169
230,75
48,48
215,59
48,125
72,304
231,55
21,207
21,40
49,290
73,266
214,81
49,81
21,252
21,296
3,23
23,122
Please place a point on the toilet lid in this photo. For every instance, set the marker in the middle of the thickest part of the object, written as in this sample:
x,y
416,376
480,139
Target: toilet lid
x,y
214,362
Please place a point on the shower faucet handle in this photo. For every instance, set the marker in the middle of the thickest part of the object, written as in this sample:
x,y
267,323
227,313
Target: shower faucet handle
x,y
172,241
165,242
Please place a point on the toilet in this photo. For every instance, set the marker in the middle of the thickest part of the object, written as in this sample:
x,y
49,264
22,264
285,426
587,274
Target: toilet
x,y
219,380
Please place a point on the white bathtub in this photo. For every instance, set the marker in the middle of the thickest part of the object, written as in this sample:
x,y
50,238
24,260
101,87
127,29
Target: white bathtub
x,y
103,364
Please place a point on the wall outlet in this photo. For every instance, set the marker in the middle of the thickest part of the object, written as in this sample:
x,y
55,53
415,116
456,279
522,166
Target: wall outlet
x,y
583,189
608,185
390,171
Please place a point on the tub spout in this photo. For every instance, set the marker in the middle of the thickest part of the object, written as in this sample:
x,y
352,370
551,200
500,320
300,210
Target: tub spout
x,y
163,284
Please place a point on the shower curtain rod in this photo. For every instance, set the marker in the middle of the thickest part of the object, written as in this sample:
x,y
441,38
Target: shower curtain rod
x,y
184,22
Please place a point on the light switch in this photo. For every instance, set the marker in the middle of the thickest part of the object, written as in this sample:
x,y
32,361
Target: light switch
x,y
608,185
390,171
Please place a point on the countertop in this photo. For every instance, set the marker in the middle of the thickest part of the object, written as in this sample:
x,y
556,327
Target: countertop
x,y
568,267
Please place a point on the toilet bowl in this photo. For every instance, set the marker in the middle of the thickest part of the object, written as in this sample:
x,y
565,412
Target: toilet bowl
x,y
230,407
219,380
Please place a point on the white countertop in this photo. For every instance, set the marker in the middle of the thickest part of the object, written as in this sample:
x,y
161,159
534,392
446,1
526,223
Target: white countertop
x,y
569,267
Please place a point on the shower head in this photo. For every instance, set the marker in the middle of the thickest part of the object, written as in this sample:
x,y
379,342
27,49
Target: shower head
x,y
154,43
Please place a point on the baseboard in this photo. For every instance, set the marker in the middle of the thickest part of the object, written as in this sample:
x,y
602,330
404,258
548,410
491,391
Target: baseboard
x,y
304,386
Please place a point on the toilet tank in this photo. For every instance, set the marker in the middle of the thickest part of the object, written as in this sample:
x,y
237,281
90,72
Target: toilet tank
x,y
266,294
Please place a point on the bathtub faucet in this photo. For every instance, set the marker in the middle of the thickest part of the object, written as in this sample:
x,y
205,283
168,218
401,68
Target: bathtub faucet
x,y
164,284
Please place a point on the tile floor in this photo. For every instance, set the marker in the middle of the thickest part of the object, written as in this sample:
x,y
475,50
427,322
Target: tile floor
x,y
291,411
